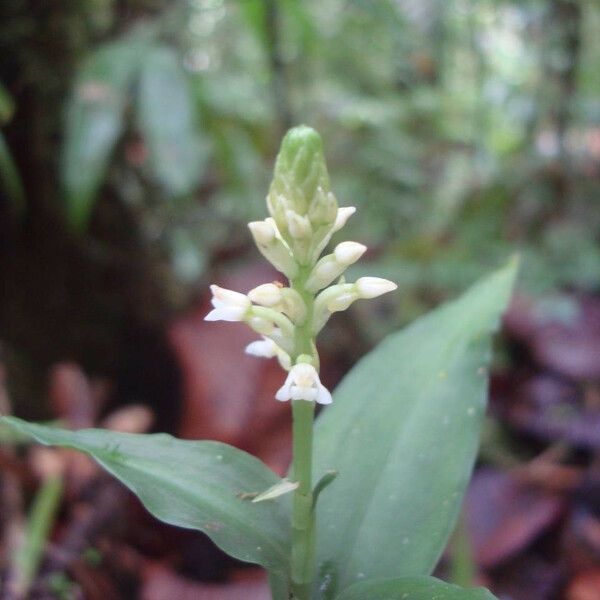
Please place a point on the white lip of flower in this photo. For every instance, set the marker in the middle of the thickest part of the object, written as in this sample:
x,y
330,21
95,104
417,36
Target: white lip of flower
x,y
228,305
303,383
267,348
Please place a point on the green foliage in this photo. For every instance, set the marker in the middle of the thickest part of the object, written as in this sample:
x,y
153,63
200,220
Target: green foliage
x,y
412,588
95,120
403,434
197,485
168,122
39,525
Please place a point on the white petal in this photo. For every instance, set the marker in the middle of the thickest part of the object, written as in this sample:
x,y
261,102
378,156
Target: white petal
x,y
284,392
323,396
226,313
264,348
229,297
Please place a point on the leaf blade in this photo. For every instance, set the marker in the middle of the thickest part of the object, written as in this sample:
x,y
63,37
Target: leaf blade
x,y
403,434
412,588
191,484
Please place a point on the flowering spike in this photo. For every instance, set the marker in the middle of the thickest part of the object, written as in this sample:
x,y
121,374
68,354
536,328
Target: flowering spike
x,y
304,216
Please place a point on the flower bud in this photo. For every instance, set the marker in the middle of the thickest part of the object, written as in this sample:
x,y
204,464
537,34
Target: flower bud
x,y
273,248
297,225
347,253
371,287
260,325
330,267
342,216
263,232
293,305
300,176
267,294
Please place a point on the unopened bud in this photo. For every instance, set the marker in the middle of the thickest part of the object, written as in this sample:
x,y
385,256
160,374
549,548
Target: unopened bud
x,y
263,232
371,287
347,253
343,214
267,294
330,267
300,172
297,225
293,305
273,248
260,325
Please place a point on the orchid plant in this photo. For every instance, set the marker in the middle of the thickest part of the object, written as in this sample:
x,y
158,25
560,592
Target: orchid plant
x,y
377,479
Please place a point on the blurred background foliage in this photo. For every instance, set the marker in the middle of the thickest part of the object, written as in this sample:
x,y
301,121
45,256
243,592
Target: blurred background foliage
x,y
138,138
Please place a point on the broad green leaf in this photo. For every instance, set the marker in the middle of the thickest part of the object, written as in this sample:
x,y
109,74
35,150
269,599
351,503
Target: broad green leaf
x,y
197,485
94,122
167,118
403,434
412,588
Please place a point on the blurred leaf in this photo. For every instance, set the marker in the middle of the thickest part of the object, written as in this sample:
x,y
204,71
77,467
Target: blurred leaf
x,y
166,115
412,588
11,180
7,106
255,14
39,525
196,485
403,434
94,121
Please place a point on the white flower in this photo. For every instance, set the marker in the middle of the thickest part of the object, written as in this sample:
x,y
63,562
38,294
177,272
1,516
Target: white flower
x,y
228,305
371,287
267,348
303,383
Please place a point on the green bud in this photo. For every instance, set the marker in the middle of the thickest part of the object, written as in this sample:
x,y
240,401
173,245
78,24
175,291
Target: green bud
x,y
300,181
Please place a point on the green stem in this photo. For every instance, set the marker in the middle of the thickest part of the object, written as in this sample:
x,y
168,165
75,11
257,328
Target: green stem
x,y
303,516
303,535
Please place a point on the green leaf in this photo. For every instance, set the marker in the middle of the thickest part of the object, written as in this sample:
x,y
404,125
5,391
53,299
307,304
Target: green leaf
x,y
7,105
197,485
95,121
412,588
11,179
167,118
403,433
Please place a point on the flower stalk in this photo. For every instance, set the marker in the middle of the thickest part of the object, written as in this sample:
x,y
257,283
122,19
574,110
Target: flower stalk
x,y
304,215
